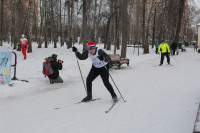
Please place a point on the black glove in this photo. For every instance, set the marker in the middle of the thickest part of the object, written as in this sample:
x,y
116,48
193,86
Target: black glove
x,y
74,49
101,58
24,46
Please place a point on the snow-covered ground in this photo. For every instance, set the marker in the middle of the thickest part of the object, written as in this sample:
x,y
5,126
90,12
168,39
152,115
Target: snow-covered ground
x,y
159,99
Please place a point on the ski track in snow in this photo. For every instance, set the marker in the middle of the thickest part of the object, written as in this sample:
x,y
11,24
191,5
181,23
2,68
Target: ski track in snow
x,y
161,99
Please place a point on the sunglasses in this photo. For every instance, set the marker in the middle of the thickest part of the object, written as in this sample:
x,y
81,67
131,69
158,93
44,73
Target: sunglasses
x,y
90,48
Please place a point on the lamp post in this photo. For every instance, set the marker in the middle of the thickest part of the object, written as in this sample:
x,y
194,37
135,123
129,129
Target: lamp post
x,y
198,34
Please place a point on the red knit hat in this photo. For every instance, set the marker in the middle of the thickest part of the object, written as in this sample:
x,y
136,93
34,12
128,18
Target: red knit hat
x,y
91,45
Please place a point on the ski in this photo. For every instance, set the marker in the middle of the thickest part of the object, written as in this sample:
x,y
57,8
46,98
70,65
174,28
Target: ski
x,y
80,102
163,65
88,101
111,107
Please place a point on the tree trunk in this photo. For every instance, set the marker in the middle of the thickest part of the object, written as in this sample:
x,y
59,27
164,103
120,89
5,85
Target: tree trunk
x,y
154,29
53,26
151,14
41,25
30,22
61,36
116,28
107,33
124,28
70,18
111,27
84,25
180,15
36,19
143,23
13,25
2,18
45,34
95,22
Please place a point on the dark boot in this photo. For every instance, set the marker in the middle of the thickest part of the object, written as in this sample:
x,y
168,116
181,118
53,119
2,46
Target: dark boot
x,y
51,81
115,99
87,98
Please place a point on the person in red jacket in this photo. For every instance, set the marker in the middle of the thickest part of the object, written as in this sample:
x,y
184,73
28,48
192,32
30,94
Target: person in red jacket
x,y
23,43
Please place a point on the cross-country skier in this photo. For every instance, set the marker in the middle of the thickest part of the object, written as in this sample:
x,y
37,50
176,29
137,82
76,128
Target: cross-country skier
x,y
165,51
100,66
23,43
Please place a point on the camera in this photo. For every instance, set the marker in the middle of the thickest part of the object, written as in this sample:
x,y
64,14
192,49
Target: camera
x,y
60,61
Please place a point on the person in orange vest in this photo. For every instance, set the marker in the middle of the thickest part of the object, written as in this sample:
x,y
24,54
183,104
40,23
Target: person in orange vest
x,y
23,43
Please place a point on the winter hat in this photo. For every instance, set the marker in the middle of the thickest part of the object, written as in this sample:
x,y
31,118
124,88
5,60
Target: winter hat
x,y
163,41
22,35
91,45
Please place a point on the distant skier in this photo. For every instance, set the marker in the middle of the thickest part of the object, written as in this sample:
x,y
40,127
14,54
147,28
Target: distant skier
x,y
195,46
165,51
157,45
99,60
174,47
23,43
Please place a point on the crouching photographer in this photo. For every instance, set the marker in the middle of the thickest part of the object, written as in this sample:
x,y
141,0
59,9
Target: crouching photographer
x,y
51,69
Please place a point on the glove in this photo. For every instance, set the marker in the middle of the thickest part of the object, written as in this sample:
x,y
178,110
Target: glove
x,y
74,49
24,46
101,58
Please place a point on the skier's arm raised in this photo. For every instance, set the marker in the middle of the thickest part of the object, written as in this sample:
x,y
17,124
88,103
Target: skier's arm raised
x,y
80,56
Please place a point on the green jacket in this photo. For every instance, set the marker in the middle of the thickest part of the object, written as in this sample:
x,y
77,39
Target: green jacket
x,y
164,48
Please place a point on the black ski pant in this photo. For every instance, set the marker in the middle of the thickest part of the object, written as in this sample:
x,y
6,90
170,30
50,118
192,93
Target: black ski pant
x,y
173,51
156,50
95,72
162,58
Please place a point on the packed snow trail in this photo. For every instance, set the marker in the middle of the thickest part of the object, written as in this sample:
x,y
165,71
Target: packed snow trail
x,y
159,99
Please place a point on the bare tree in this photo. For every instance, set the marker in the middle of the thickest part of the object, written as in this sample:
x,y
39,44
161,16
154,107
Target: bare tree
x,y
45,34
61,36
124,28
181,9
143,23
30,21
152,12
70,6
53,25
84,33
2,18
41,23
13,36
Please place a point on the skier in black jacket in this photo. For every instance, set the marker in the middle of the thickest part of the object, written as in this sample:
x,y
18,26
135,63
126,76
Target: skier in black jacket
x,y
56,66
100,66
174,47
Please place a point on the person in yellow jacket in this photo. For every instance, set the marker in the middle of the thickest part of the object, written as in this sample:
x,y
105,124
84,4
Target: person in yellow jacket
x,y
165,51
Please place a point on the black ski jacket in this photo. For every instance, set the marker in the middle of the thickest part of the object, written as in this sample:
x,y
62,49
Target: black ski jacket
x,y
84,55
56,67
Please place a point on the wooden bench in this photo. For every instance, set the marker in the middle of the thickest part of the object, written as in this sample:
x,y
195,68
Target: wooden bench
x,y
116,60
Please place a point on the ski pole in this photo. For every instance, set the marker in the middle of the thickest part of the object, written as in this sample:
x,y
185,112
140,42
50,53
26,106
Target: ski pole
x,y
113,82
81,73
